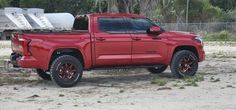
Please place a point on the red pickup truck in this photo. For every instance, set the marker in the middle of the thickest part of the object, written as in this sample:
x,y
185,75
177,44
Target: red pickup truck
x,y
106,41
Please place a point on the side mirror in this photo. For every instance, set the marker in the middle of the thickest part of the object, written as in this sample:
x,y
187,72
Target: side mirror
x,y
154,30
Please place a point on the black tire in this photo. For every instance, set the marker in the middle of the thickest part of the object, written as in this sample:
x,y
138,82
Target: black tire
x,y
60,71
181,67
43,74
156,70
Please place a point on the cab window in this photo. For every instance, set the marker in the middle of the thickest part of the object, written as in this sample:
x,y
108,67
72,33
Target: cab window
x,y
112,25
140,25
81,23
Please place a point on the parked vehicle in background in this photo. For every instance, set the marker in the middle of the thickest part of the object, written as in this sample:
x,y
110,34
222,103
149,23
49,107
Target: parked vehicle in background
x,y
100,41
31,19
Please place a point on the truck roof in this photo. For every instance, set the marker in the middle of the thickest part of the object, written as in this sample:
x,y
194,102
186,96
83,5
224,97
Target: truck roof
x,y
116,15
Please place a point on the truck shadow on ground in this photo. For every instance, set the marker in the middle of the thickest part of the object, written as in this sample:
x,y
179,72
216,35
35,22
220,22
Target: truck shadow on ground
x,y
97,79
124,79
111,80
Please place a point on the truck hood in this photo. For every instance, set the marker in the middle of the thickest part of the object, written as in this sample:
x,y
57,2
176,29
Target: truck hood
x,y
179,34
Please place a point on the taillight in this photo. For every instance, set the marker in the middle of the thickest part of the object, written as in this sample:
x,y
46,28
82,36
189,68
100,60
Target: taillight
x,y
21,44
25,45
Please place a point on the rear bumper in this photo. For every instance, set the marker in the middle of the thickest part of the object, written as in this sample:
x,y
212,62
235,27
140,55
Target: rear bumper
x,y
23,61
14,59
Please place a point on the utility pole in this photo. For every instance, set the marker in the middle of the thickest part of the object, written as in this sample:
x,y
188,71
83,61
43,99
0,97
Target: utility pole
x,y
187,11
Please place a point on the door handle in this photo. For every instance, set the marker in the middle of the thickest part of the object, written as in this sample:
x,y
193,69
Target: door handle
x,y
156,38
136,38
100,39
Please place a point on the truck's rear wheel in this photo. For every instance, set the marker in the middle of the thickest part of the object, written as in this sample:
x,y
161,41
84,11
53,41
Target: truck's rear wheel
x,y
158,69
43,74
66,71
184,63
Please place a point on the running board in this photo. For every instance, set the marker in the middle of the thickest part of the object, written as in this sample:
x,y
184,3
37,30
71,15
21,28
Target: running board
x,y
124,67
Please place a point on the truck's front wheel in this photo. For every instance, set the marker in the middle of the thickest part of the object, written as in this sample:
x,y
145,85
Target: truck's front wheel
x,y
184,63
66,71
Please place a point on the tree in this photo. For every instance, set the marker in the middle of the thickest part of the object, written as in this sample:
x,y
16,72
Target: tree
x,y
117,6
165,11
224,4
72,6
4,3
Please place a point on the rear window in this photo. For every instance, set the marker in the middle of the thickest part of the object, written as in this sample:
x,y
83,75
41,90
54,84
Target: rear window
x,y
112,25
81,23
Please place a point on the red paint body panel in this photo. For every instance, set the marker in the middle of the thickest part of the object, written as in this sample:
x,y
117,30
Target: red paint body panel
x,y
148,50
117,49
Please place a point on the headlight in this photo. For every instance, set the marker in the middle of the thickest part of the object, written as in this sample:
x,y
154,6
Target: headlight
x,y
199,39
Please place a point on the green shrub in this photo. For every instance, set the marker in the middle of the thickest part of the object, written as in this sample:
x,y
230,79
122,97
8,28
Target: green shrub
x,y
159,81
220,36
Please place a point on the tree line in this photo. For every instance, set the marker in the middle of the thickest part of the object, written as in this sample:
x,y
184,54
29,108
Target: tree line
x,y
160,10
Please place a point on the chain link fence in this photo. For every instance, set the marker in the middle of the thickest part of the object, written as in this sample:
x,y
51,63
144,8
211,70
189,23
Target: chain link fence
x,y
201,27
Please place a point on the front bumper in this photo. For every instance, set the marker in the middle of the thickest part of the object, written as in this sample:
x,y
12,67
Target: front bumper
x,y
201,55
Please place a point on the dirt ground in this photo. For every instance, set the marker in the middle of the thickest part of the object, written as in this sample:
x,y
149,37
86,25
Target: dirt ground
x,y
213,88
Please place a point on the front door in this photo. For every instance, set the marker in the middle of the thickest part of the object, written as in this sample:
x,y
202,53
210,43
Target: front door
x,y
146,48
112,42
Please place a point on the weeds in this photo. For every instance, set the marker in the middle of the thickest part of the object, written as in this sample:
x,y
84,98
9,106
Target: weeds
x,y
189,81
196,78
5,44
159,81
7,80
192,81
186,81
220,36
2,58
164,88
175,85
222,54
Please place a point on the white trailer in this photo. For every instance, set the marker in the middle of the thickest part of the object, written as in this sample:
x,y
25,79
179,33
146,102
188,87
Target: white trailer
x,y
16,19
12,19
37,19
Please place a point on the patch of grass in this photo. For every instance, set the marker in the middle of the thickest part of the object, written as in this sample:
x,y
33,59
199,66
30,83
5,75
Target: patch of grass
x,y
219,36
1,62
191,84
192,81
196,78
159,81
220,43
61,95
2,59
164,88
222,54
178,81
7,80
5,44
175,85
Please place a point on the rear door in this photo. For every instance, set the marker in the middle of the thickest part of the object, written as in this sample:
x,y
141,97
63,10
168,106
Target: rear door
x,y
146,48
112,42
